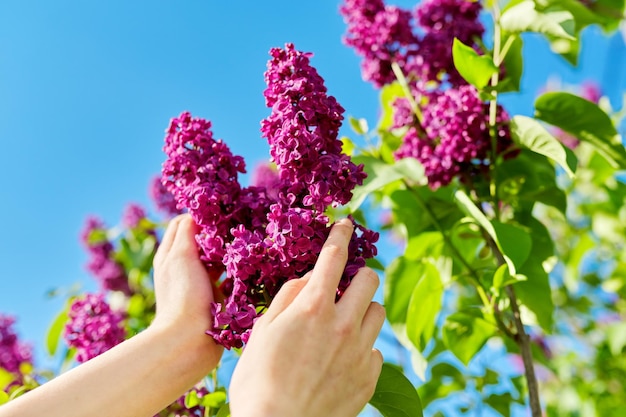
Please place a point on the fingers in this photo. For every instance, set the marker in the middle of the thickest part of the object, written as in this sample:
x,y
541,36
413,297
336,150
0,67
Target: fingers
x,y
376,363
331,262
168,239
288,292
185,238
372,322
359,294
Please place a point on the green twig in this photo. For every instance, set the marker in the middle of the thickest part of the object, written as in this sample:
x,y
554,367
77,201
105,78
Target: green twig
x,y
407,91
521,338
455,252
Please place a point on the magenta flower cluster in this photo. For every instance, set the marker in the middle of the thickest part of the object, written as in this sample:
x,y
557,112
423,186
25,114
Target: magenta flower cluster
x,y
93,327
162,198
132,215
109,273
454,136
420,42
13,352
267,234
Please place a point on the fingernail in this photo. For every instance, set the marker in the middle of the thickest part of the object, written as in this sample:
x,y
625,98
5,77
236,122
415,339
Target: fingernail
x,y
346,221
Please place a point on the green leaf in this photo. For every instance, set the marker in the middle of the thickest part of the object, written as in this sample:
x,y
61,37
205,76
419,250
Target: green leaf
x,y
375,264
6,378
424,245
502,278
616,337
512,241
4,397
191,399
476,69
529,133
401,277
358,125
54,331
535,292
501,403
424,306
465,334
388,95
513,64
380,173
394,395
347,146
523,17
224,411
214,400
527,179
585,120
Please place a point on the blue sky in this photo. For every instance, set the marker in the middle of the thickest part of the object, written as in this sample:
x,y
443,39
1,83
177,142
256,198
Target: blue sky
x,y
87,89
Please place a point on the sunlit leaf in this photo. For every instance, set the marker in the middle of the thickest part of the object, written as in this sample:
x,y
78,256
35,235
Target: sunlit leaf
x,y
476,69
401,277
513,65
380,173
529,133
585,120
523,17
54,331
424,306
512,241
465,334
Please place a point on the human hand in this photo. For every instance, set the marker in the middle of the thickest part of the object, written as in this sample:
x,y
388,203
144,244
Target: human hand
x,y
184,290
307,355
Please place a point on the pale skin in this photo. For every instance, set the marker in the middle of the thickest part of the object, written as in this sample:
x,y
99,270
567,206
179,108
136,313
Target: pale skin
x,y
307,356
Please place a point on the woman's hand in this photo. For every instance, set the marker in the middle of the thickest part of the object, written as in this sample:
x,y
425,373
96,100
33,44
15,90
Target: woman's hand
x,y
183,289
309,356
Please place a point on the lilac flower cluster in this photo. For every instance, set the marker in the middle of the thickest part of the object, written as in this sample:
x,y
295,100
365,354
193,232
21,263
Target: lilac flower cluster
x,y
442,21
93,327
272,232
163,199
132,216
102,264
455,136
383,34
201,173
13,353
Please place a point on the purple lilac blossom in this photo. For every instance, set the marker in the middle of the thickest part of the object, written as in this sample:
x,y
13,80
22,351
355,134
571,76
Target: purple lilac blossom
x,y
455,137
93,327
201,173
266,176
268,236
381,35
132,216
442,21
302,131
13,352
162,198
110,274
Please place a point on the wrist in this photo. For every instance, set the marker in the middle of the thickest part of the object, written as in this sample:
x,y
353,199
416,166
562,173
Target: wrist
x,y
190,350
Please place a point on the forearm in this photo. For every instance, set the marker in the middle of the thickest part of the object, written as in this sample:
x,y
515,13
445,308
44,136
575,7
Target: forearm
x,y
137,378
